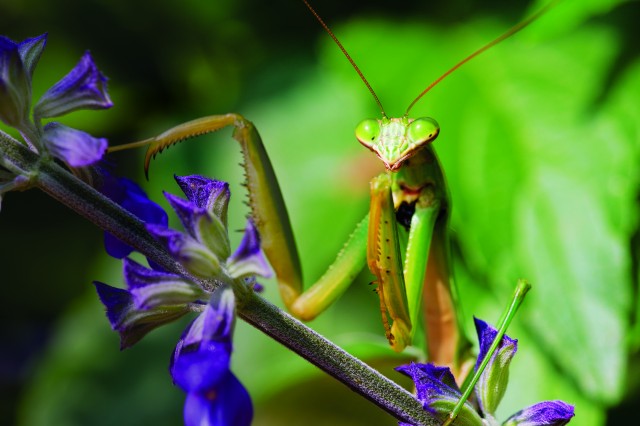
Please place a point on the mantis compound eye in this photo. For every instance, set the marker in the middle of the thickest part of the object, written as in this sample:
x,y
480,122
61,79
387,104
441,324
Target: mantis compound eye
x,y
424,129
368,131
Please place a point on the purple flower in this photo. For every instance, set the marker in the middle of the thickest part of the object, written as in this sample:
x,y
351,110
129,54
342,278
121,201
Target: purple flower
x,y
75,147
212,195
200,367
201,361
493,381
556,413
152,298
151,289
248,259
130,322
85,87
17,61
132,198
204,246
228,404
437,390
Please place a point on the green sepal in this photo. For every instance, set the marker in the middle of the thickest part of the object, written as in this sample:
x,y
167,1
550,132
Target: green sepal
x,y
493,382
199,260
467,416
211,232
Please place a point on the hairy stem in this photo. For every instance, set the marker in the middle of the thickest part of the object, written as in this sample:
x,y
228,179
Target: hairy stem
x,y
89,203
330,358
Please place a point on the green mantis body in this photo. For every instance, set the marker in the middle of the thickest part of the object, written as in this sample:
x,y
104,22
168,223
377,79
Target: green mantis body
x,y
403,239
409,202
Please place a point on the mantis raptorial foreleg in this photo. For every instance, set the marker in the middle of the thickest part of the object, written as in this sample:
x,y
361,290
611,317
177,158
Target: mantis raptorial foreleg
x,y
271,218
384,260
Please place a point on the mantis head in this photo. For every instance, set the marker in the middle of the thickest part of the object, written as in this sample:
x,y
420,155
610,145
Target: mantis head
x,y
396,139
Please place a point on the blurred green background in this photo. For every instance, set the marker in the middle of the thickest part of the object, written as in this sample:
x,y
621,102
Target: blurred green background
x,y
540,143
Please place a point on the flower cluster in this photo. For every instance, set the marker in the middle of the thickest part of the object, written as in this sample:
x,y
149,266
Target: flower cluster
x,y
200,364
437,390
84,87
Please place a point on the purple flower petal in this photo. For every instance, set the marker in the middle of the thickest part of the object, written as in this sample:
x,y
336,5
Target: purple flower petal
x,y
227,404
249,259
202,355
131,323
116,300
135,201
132,198
187,212
220,316
210,194
115,247
75,147
486,336
494,379
8,48
216,322
173,240
556,413
83,88
15,85
152,289
432,382
200,366
201,369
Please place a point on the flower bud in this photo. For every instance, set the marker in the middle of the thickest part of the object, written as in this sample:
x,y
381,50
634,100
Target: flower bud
x,y
83,88
547,413
30,51
15,85
494,379
196,257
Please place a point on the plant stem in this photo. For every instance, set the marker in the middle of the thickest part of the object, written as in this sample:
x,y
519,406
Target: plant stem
x,y
330,358
89,203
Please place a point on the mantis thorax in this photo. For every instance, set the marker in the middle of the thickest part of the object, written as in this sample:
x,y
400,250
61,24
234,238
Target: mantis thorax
x,y
396,139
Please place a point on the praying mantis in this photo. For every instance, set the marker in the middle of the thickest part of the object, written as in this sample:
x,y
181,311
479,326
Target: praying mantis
x,y
403,239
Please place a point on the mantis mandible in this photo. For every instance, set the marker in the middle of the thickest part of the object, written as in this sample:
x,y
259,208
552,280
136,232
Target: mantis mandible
x,y
407,219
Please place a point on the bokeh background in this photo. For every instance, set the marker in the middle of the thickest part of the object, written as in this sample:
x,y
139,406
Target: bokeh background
x,y
540,142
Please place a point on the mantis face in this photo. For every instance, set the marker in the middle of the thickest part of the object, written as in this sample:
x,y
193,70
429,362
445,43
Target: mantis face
x,y
396,139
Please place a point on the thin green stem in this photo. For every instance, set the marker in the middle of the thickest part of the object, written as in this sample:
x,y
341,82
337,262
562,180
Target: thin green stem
x,y
60,184
505,319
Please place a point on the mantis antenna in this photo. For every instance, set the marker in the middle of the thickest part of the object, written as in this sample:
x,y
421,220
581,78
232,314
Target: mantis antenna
x,y
346,54
492,43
